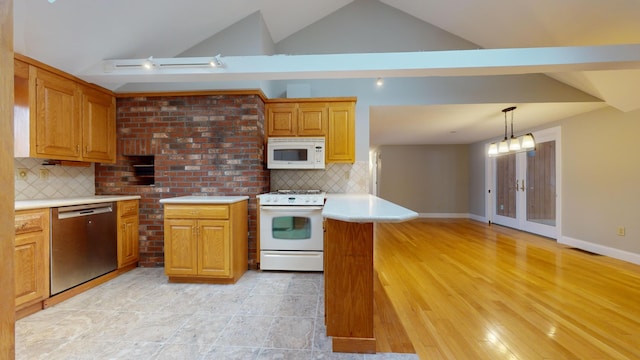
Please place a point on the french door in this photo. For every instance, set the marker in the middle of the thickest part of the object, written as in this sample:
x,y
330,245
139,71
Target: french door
x,y
526,187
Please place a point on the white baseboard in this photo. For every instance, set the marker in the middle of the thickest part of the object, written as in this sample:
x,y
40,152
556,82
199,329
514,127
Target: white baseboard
x,y
444,215
478,218
601,249
452,216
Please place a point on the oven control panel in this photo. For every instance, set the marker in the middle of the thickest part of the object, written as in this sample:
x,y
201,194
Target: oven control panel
x,y
298,200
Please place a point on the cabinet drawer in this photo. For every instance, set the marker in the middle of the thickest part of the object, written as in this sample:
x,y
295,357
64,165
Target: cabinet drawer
x,y
129,207
30,222
196,211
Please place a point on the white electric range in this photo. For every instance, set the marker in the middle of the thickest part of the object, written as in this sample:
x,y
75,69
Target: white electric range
x,y
291,235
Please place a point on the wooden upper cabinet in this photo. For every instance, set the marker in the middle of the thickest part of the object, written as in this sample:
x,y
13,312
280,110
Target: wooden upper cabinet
x,y
331,118
58,117
57,125
341,144
312,119
98,126
282,119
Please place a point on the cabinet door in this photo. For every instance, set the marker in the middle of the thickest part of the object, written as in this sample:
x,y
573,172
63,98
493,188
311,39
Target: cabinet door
x,y
341,139
29,268
98,126
128,248
214,248
57,125
180,247
21,112
128,236
31,256
312,119
282,119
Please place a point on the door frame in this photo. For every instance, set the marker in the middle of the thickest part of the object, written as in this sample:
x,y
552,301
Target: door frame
x,y
553,133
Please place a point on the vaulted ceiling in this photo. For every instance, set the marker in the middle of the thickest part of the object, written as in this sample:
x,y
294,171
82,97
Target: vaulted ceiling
x,y
404,41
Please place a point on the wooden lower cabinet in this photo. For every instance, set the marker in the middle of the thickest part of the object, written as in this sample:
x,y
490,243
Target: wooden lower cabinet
x,y
31,260
349,303
205,243
128,233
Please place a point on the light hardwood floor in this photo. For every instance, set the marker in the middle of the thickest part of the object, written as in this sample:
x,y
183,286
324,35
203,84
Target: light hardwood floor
x,y
466,290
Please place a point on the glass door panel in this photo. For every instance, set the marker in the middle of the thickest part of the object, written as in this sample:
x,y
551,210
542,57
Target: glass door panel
x,y
541,190
526,187
505,204
541,184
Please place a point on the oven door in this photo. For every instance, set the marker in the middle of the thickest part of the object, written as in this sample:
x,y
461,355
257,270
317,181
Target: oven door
x,y
291,228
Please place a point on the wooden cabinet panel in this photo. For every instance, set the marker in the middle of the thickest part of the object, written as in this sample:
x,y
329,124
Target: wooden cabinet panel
x,y
312,119
189,211
21,111
349,306
214,248
128,233
282,119
31,257
57,117
202,245
341,139
180,247
29,280
98,126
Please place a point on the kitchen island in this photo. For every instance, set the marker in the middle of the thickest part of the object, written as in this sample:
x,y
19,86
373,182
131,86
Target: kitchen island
x,y
348,268
205,238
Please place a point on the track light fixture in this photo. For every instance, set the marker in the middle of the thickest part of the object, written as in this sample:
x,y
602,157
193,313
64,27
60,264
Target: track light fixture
x,y
152,63
514,144
216,62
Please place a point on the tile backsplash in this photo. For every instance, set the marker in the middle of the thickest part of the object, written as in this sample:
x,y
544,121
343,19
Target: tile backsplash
x,y
336,178
69,181
59,182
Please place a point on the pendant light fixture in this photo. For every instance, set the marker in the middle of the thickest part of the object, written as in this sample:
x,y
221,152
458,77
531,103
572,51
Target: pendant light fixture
x,y
514,144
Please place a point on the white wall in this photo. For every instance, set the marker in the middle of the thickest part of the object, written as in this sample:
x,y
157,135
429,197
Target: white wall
x,y
601,181
432,180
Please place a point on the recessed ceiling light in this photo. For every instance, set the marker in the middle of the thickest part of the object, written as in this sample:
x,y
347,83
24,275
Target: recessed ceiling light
x,y
52,1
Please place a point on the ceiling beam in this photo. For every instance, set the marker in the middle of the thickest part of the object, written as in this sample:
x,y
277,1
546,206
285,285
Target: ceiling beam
x,y
479,62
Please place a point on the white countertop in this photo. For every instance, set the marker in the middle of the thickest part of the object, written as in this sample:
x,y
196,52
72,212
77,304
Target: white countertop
x,y
48,203
204,200
364,208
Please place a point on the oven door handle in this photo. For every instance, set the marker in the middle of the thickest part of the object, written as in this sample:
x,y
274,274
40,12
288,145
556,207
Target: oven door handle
x,y
290,208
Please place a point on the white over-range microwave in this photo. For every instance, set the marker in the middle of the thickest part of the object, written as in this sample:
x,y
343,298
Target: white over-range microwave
x,y
295,153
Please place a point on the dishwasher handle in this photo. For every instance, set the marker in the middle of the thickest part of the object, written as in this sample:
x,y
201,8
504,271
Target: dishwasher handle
x,y
83,210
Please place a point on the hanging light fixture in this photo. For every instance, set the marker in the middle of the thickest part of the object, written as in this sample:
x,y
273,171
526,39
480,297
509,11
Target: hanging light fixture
x,y
513,144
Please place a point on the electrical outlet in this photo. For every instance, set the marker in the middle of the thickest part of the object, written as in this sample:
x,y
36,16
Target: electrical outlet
x,y
620,231
22,174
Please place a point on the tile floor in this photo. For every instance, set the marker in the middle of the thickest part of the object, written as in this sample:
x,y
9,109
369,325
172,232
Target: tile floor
x,y
139,315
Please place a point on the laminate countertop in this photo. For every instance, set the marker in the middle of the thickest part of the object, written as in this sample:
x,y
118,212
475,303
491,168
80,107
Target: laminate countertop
x,y
363,208
49,203
204,200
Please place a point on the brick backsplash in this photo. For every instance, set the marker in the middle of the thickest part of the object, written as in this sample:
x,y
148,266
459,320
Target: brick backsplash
x,y
58,182
203,145
336,178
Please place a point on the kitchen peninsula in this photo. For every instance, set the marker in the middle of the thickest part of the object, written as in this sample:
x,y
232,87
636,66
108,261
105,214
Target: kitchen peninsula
x,y
348,270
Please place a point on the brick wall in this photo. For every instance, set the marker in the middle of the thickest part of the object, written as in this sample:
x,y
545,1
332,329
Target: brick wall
x,y
203,145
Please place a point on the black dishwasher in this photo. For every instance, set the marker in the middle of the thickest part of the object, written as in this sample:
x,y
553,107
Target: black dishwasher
x,y
83,244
